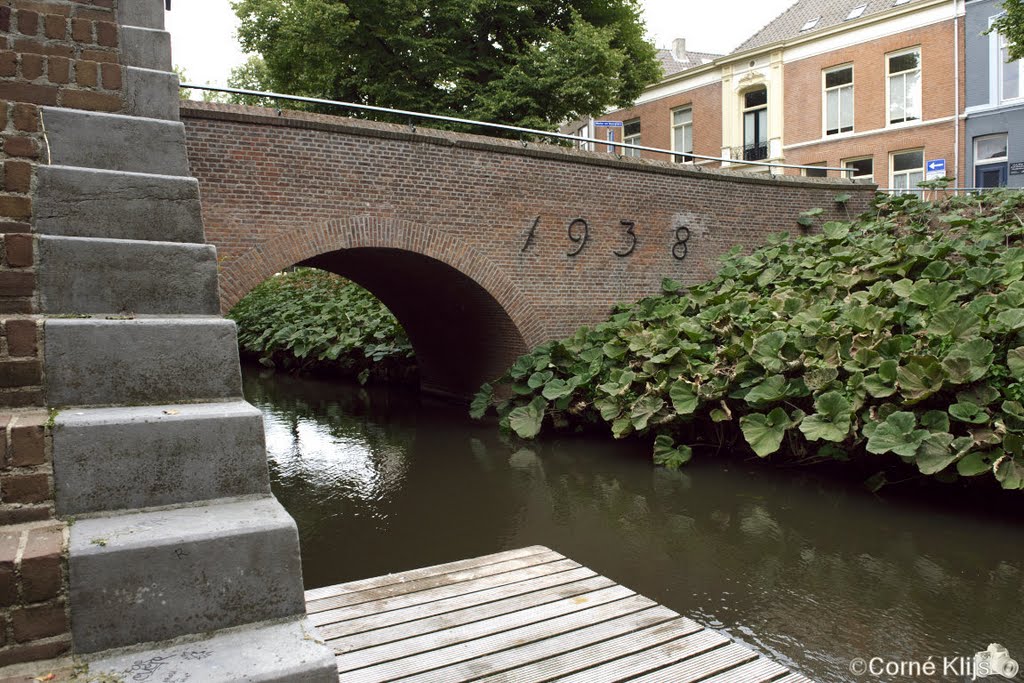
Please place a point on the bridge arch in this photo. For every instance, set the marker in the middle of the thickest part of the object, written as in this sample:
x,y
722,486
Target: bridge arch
x,y
466,319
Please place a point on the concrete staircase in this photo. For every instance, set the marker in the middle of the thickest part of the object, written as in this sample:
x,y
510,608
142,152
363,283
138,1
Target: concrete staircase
x,y
179,553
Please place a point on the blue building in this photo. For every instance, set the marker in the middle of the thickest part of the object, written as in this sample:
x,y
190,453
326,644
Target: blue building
x,y
995,103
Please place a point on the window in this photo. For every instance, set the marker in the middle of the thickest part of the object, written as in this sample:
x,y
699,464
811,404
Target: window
x,y
856,12
631,136
839,100
816,172
810,24
904,84
682,134
907,169
1009,73
755,125
991,161
583,132
863,169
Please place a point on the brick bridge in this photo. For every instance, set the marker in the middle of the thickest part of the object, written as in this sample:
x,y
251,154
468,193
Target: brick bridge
x,y
481,247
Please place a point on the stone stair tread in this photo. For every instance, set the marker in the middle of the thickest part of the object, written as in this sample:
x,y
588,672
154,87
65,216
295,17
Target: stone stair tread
x,y
152,575
115,142
87,202
261,653
152,93
102,275
149,48
140,361
133,457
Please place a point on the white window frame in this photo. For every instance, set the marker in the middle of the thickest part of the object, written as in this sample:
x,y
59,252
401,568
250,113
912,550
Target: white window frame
x,y
583,132
825,90
688,125
893,173
805,172
991,162
1000,66
846,162
888,87
632,139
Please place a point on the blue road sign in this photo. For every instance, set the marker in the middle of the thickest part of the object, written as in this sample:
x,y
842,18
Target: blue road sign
x,y
935,168
608,124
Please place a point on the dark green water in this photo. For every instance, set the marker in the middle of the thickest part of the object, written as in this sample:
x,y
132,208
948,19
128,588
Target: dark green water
x,y
809,571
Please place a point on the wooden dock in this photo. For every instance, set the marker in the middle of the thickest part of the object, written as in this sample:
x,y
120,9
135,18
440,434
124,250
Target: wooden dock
x,y
523,615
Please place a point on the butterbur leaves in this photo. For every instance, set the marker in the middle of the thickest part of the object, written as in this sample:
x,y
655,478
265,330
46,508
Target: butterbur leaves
x,y
771,390
481,402
831,420
526,420
898,434
643,410
668,454
684,399
764,433
920,377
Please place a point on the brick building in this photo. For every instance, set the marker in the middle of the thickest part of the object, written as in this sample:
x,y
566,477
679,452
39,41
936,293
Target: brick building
x,y
872,85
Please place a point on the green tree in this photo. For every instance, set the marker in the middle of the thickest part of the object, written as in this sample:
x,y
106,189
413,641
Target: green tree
x,y
1011,25
532,64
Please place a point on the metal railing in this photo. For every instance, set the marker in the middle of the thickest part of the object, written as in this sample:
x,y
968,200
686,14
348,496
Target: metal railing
x,y
498,126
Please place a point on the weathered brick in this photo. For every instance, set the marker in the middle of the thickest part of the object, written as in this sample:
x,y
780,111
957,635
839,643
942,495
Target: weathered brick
x,y
58,70
95,55
8,63
106,33
83,99
17,178
36,623
9,543
26,117
7,226
37,47
55,26
42,565
28,92
5,19
19,250
81,30
21,336
22,514
4,421
31,652
3,115
19,373
31,66
28,440
24,488
87,74
16,283
28,22
21,146
111,76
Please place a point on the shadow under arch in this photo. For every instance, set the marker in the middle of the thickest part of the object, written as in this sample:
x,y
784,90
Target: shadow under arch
x,y
466,320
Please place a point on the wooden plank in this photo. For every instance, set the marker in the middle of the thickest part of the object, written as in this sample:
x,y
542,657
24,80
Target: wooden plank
x,y
758,671
566,663
479,629
465,608
403,587
421,597
428,661
701,666
378,581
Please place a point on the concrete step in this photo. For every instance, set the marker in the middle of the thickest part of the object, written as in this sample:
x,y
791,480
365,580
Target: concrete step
x,y
105,362
154,575
90,275
115,142
145,13
80,202
151,93
146,47
289,652
123,458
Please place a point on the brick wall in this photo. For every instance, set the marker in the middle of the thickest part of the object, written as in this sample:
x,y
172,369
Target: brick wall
x,y
284,189
52,53
803,112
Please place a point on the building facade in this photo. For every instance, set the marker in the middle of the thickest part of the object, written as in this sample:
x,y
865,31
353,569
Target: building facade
x,y
875,86
994,153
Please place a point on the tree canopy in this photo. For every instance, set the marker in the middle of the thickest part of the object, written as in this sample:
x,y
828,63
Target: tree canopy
x,y
531,63
1011,26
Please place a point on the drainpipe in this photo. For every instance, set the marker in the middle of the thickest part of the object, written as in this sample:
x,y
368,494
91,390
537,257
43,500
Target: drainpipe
x,y
956,95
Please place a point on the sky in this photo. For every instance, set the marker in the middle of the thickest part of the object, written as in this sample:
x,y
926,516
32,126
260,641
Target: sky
x,y
204,43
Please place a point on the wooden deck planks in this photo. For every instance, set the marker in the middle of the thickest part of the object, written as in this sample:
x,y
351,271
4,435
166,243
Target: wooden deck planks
x,y
522,616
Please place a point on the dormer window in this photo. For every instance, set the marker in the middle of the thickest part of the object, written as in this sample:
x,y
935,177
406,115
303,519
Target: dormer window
x,y
810,24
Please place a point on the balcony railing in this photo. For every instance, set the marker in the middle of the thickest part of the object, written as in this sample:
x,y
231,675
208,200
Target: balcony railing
x,y
755,152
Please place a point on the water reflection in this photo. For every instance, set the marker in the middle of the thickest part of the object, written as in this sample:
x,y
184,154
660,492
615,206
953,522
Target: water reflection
x,y
809,571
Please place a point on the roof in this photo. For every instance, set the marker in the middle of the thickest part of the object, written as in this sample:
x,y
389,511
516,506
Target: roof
x,y
829,13
671,66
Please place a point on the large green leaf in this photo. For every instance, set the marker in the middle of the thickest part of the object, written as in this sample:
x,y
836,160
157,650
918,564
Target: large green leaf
x,y
935,453
764,433
898,434
771,390
644,409
481,402
1009,473
920,377
831,421
684,399
526,420
668,454
955,323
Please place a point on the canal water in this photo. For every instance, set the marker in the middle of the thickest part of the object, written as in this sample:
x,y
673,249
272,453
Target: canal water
x,y
809,571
